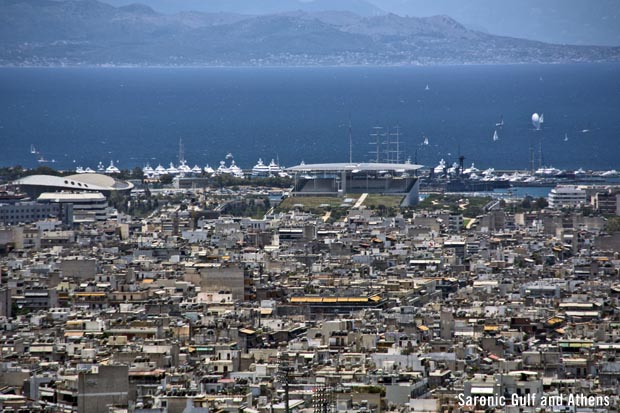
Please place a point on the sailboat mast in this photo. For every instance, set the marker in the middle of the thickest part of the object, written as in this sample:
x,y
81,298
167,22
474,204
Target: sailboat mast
x,y
181,151
350,143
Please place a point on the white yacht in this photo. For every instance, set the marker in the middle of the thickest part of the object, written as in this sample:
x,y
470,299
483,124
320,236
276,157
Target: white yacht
x,y
274,168
208,170
222,169
184,168
148,171
454,168
235,170
196,170
439,169
160,170
112,169
172,170
471,170
260,169
548,171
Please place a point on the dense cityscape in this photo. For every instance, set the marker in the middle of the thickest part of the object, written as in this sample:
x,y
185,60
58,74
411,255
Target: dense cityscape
x,y
309,206
222,293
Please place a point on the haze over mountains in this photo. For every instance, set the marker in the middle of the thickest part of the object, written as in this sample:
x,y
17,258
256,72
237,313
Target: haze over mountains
x,y
583,22
90,32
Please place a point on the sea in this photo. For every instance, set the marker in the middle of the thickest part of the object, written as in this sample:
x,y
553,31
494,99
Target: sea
x,y
137,116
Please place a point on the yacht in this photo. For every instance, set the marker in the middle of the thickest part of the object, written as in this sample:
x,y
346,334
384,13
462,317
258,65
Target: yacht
x,y
548,171
454,168
148,171
471,170
260,169
172,170
112,169
235,170
160,170
610,174
196,170
274,168
439,169
184,168
222,169
208,170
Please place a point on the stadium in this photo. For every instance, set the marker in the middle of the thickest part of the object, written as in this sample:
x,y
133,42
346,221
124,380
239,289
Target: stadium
x,y
35,185
339,179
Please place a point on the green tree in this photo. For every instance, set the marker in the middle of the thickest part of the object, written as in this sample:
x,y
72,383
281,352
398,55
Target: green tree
x,y
136,173
541,203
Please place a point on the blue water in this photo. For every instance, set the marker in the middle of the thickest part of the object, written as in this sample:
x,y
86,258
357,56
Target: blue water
x,y
82,116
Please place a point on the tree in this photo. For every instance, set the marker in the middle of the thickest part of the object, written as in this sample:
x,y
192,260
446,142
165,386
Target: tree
x,y
165,179
541,203
136,173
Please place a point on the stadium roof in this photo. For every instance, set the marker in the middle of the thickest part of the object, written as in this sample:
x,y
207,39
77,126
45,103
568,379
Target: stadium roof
x,y
81,182
355,167
71,197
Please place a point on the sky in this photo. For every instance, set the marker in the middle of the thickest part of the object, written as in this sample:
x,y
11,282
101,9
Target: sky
x,y
582,22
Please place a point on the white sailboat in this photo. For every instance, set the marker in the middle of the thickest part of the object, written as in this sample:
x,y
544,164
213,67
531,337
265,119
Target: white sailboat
x,y
425,141
495,136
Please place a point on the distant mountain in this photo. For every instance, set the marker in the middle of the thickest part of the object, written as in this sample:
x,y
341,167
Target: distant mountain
x,y
583,22
89,32
256,7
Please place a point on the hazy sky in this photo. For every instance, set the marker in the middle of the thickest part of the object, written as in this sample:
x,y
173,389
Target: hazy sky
x,y
556,21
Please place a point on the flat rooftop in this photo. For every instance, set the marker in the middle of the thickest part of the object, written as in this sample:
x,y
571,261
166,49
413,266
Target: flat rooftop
x,y
354,167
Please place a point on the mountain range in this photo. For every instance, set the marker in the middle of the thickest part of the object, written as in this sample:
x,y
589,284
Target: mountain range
x,y
90,32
